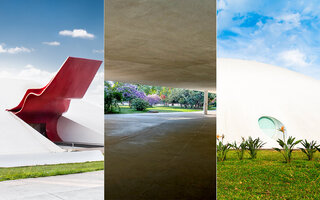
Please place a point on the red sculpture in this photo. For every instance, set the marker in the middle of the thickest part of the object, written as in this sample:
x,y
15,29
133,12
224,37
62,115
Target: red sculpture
x,y
47,104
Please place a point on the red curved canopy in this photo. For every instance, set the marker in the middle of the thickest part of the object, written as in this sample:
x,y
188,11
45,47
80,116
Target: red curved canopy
x,y
46,105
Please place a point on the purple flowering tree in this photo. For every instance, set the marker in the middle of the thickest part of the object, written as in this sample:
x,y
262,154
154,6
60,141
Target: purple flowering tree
x,y
153,99
130,92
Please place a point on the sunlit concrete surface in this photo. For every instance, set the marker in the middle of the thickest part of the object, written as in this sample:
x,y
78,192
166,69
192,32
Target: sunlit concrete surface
x,y
67,187
160,156
163,43
78,149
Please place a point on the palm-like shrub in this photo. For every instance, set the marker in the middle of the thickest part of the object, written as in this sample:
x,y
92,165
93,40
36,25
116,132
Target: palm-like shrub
x,y
309,148
253,145
240,149
222,149
286,145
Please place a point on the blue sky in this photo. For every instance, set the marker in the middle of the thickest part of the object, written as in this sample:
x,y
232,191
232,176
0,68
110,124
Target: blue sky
x,y
279,32
37,36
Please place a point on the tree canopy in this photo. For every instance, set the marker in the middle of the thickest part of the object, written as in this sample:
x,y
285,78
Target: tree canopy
x,y
154,95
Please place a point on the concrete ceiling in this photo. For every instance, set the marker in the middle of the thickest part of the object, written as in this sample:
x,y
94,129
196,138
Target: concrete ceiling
x,y
168,43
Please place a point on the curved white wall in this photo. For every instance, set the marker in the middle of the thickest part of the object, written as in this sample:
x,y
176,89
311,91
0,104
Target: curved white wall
x,y
83,123
16,136
248,90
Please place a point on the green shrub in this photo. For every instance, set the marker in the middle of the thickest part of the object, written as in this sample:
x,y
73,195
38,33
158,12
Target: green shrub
x,y
222,149
309,148
253,145
240,149
287,146
139,104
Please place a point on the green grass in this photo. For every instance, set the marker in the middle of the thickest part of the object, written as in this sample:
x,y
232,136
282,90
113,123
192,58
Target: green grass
x,y
48,170
268,177
128,110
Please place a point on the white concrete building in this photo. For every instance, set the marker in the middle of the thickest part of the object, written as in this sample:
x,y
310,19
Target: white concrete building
x,y
23,143
255,99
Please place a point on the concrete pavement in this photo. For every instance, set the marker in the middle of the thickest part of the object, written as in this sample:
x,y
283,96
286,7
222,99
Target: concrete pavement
x,y
160,156
86,186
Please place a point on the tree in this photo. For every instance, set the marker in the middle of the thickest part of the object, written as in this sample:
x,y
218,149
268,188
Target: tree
x,y
212,98
175,96
153,99
186,98
130,92
183,102
112,98
195,99
147,89
164,93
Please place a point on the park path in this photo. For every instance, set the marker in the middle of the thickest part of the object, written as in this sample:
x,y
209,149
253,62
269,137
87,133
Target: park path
x,y
86,186
160,156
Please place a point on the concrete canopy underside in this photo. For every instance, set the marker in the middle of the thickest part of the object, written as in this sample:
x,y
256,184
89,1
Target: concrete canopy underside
x,y
162,43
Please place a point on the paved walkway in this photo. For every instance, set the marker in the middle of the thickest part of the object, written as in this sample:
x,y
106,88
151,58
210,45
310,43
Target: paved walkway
x,y
86,186
160,156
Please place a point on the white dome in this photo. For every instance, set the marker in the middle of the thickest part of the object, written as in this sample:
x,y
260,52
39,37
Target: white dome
x,y
248,90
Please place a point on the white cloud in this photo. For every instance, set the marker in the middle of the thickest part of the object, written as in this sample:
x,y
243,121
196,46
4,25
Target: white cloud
x,y
290,19
94,93
29,72
294,58
286,35
222,4
14,50
54,43
97,51
77,33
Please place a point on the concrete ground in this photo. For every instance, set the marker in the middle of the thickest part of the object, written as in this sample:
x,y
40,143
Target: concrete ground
x,y
160,156
71,148
86,186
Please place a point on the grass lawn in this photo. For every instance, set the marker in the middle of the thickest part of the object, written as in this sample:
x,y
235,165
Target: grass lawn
x,y
268,177
48,170
128,110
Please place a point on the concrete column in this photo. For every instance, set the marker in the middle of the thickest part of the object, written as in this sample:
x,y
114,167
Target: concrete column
x,y
205,103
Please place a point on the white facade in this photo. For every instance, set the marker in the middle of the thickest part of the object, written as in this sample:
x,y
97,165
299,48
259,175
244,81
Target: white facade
x,y
82,123
248,90
16,136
